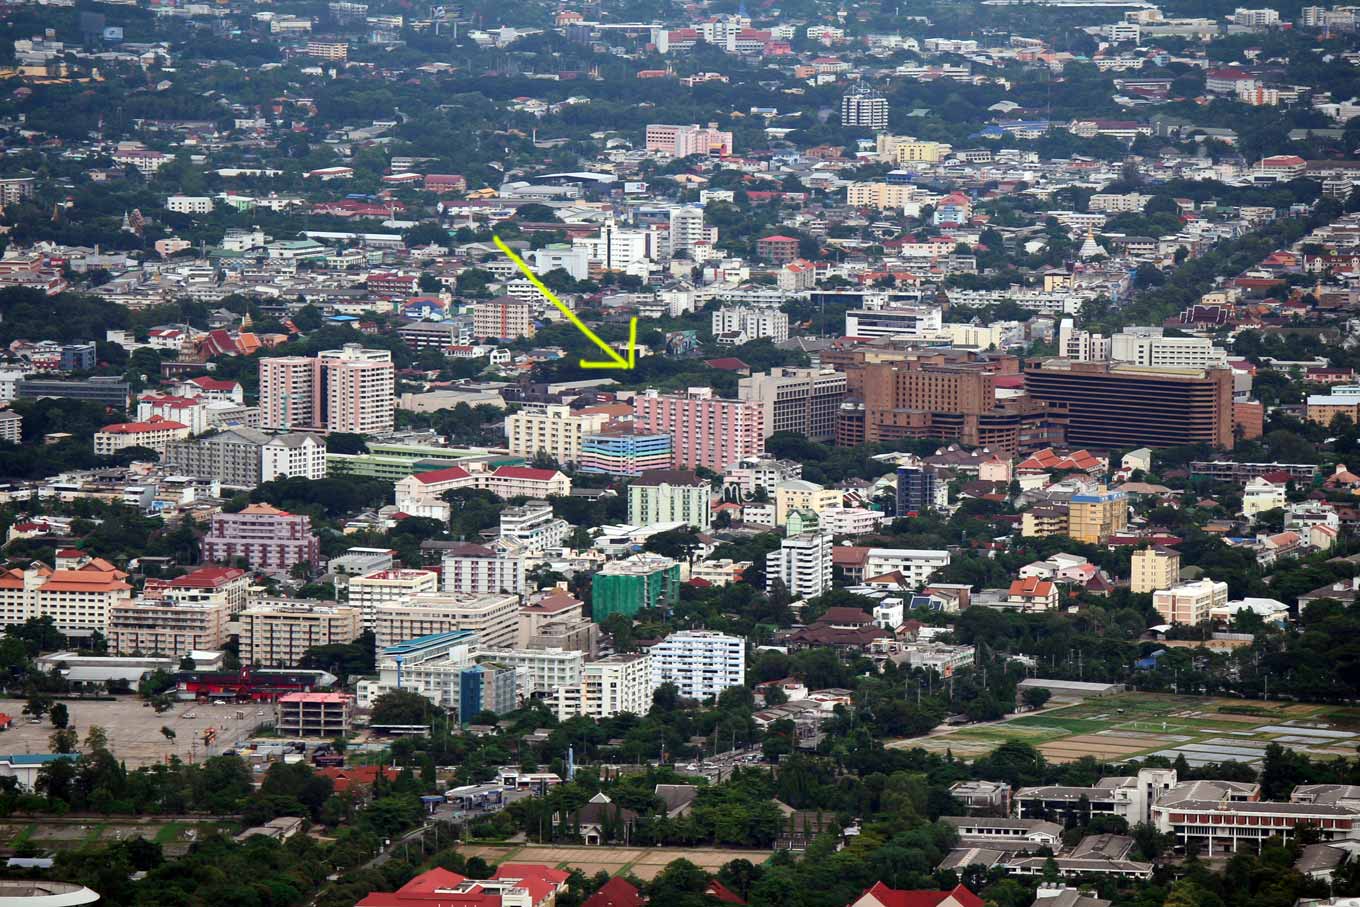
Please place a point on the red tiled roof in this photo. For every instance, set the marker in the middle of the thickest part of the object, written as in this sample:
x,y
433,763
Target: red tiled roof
x,y
617,892
207,577
1048,458
526,472
133,428
893,897
849,555
214,384
726,364
438,887
344,779
83,581
442,475
722,892
170,401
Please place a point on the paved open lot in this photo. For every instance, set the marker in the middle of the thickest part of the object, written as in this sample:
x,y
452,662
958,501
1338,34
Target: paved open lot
x,y
134,730
643,862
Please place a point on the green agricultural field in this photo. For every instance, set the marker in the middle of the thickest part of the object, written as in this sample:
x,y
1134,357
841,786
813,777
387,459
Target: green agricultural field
x,y
1133,725
1048,721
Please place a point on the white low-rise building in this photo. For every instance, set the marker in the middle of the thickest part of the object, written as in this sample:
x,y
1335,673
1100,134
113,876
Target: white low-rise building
x,y
541,671
1270,610
916,565
189,204
1190,603
533,527
1260,495
296,455
478,569
382,587
611,686
494,618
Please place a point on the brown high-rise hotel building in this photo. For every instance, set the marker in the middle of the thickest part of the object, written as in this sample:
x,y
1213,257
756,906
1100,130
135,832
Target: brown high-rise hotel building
x,y
1109,406
939,397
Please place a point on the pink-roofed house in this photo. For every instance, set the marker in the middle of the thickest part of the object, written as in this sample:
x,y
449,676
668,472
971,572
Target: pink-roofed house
x,y
512,885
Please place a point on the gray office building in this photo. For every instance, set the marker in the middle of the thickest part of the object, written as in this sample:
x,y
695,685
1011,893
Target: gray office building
x,y
107,390
231,457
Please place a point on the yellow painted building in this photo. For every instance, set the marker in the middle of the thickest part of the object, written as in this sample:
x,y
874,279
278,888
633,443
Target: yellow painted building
x,y
1096,516
1153,569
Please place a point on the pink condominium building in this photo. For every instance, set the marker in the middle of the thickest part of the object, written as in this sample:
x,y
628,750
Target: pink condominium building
x,y
706,430
683,141
290,394
360,389
346,390
265,537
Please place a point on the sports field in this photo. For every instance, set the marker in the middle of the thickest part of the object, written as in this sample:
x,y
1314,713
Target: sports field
x,y
1203,730
644,862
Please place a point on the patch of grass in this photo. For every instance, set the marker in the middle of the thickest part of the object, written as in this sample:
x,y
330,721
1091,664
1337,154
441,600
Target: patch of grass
x,y
95,832
24,834
1343,717
1056,723
169,833
508,856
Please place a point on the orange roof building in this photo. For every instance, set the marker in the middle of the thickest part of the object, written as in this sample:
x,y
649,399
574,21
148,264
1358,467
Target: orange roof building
x,y
154,434
1049,460
1033,594
76,599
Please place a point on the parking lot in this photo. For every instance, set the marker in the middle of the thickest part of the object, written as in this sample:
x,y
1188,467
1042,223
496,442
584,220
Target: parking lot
x,y
134,729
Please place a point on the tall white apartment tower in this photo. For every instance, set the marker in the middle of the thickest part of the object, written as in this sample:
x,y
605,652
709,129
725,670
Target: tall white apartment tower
x,y
687,229
865,109
803,563
701,663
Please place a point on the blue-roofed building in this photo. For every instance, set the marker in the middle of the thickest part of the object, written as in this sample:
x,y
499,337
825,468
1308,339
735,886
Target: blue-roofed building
x,y
425,645
428,665
1027,129
1149,661
24,767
